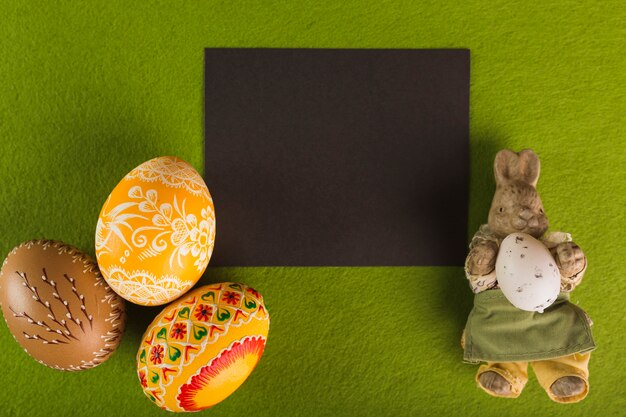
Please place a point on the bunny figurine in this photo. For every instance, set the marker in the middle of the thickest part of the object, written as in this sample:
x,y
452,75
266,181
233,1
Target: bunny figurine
x,y
557,342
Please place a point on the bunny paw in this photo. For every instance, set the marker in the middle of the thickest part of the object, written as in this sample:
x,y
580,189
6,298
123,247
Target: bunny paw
x,y
570,259
483,258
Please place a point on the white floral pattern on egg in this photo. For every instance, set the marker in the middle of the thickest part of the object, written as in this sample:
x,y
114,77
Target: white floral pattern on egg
x,y
156,232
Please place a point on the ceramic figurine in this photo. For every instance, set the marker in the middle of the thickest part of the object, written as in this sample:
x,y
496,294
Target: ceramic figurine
x,y
528,320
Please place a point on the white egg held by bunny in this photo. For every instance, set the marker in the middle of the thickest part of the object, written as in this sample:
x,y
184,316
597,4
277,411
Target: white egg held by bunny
x,y
527,273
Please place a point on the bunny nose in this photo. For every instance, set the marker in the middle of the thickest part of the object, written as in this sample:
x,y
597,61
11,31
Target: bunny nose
x,y
533,222
526,213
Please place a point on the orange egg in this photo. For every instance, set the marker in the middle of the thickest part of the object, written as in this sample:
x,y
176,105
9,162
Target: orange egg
x,y
202,347
156,231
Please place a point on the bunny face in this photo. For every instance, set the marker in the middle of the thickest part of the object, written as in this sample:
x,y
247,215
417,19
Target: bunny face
x,y
516,206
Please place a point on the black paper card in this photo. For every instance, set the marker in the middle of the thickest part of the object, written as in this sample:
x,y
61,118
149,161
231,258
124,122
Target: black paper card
x,y
320,157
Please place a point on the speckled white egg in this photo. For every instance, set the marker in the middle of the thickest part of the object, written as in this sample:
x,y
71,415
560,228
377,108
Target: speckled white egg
x,y
527,273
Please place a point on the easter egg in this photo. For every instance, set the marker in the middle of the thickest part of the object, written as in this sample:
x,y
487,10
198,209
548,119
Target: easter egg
x,y
58,306
527,273
203,346
156,231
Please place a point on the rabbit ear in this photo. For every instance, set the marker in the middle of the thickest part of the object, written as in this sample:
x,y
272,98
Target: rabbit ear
x,y
528,167
504,166
511,166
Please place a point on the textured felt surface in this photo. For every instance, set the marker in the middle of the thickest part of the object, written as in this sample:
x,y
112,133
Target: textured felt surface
x,y
89,92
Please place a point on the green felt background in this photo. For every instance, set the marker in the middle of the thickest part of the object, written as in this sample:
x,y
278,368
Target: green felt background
x,y
89,92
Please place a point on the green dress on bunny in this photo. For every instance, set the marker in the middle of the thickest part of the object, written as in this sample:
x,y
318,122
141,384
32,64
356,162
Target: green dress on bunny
x,y
497,331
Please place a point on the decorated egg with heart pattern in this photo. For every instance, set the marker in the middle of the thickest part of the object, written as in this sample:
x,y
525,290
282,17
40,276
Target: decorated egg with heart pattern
x,y
203,346
156,231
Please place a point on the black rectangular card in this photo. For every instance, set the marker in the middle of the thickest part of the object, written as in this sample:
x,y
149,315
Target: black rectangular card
x,y
337,157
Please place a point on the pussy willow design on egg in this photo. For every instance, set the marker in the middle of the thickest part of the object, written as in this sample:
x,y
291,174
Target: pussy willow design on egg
x,y
69,318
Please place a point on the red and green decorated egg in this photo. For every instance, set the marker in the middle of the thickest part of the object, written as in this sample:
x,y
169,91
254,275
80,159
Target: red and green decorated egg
x,y
202,347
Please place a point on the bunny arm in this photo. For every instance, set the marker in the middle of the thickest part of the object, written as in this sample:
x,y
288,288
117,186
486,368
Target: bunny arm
x,y
480,282
572,273
569,283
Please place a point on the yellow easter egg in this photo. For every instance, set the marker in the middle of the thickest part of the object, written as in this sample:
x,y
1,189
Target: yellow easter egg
x,y
202,347
156,231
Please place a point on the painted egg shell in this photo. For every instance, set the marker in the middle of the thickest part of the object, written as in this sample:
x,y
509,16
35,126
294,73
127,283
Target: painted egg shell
x,y
527,273
58,306
156,231
203,346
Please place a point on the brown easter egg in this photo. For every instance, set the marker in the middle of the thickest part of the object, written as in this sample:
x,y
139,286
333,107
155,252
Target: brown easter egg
x,y
58,306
